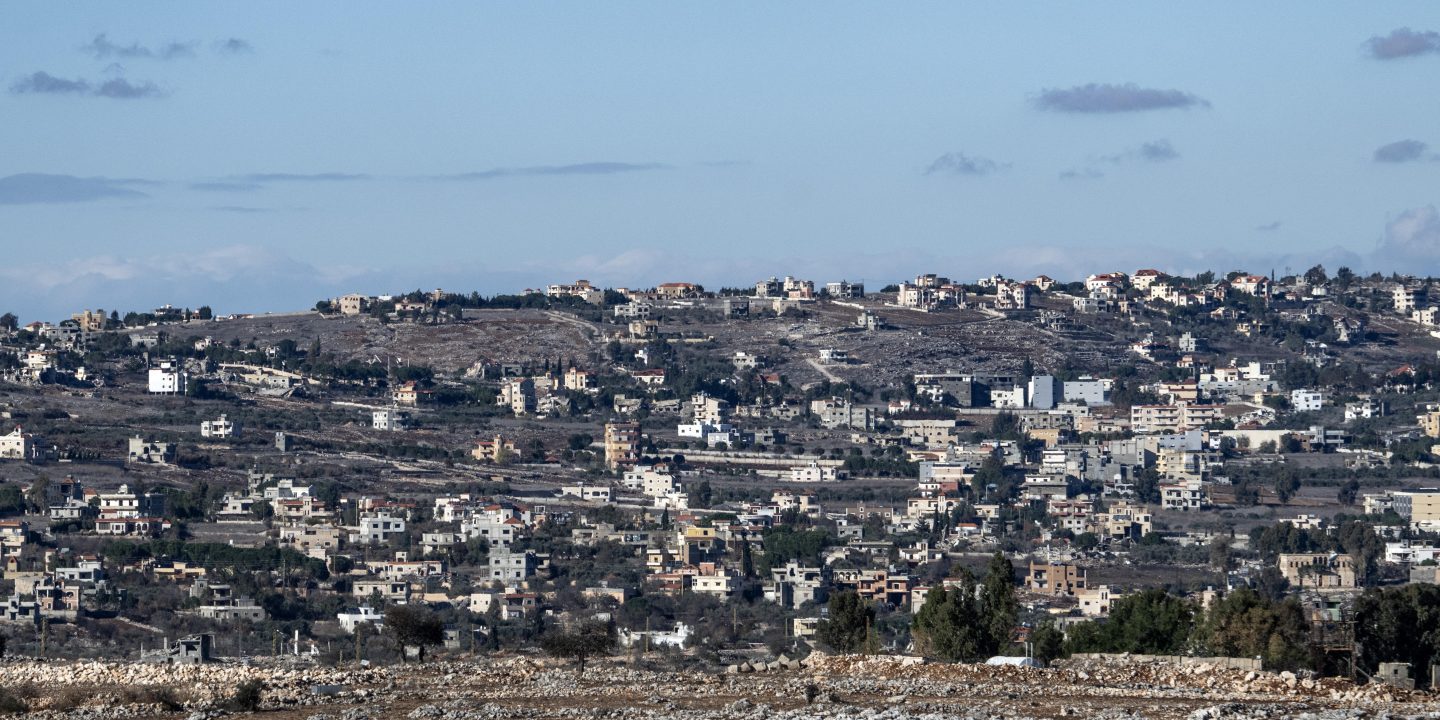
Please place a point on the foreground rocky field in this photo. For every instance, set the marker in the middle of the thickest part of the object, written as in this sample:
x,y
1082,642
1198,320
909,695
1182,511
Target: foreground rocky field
x,y
837,687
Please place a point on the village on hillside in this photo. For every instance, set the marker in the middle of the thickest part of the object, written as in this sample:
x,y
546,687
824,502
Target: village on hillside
x,y
1239,466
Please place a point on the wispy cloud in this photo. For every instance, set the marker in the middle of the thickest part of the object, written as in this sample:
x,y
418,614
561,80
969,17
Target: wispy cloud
x,y
958,163
1109,98
1156,151
1402,43
126,90
43,83
1268,227
234,46
225,186
102,49
1085,173
1402,151
299,177
590,168
40,188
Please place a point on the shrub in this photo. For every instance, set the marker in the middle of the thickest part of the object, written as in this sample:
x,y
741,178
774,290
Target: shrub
x,y
247,696
151,695
10,704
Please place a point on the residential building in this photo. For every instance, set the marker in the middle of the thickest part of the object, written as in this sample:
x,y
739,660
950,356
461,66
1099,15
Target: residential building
x,y
839,413
507,566
622,444
142,451
1421,508
1055,578
1318,571
378,528
1366,408
387,419
221,429
815,472
168,377
1183,495
18,445
494,450
1179,417
352,304
1406,299
1307,400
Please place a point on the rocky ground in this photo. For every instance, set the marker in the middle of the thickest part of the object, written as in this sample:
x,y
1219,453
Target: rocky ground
x,y
838,687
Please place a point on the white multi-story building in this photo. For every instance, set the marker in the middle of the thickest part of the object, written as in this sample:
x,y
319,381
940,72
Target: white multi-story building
x,y
1185,495
18,445
221,428
379,528
388,419
168,377
814,472
1307,400
1366,408
650,481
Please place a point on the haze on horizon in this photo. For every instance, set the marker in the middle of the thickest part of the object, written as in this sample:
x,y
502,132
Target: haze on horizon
x,y
260,156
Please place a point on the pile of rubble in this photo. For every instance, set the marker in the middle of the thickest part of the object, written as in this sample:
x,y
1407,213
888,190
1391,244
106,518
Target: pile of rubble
x,y
819,686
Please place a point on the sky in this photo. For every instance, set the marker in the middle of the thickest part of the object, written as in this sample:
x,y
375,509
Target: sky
x,y
259,156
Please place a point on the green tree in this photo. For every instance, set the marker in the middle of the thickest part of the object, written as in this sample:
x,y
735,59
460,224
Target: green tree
x,y
949,626
587,639
1287,483
849,619
1348,492
1247,624
1147,485
1048,642
999,609
1399,624
414,626
1150,622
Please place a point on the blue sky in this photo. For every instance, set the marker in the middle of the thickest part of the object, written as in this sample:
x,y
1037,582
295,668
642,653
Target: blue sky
x,y
257,156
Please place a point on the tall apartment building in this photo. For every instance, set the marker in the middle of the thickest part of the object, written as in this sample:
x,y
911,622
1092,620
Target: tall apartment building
x,y
622,444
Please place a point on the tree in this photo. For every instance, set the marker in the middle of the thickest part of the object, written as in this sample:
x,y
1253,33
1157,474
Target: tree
x,y
1286,484
1147,485
1048,642
1150,622
850,617
1220,557
413,626
1000,609
1399,624
949,625
9,322
591,637
1246,624
1348,492
1316,275
205,313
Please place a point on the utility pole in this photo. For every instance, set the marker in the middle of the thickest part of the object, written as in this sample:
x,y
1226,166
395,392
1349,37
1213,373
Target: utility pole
x,y
44,637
